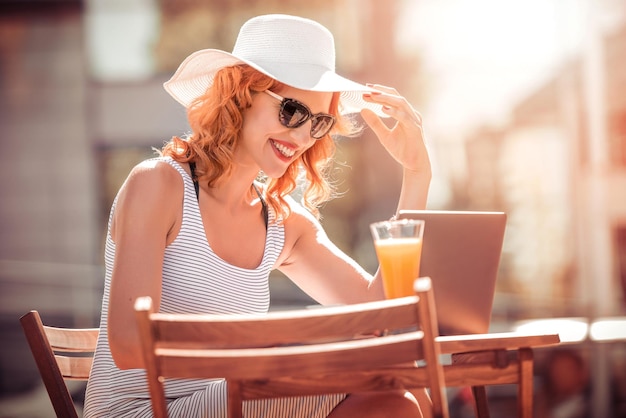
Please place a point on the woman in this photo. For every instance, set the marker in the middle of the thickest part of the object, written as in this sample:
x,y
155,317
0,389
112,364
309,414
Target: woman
x,y
195,229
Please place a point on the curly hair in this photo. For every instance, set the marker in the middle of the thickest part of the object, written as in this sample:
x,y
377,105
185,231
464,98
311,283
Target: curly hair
x,y
216,121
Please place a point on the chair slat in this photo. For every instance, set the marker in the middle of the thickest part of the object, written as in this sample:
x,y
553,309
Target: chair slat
x,y
291,361
75,368
278,328
72,340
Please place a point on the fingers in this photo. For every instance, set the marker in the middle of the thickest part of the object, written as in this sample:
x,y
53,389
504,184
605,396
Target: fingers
x,y
385,89
403,113
374,122
393,104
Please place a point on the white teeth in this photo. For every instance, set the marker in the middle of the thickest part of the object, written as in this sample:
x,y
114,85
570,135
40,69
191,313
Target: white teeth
x,y
283,149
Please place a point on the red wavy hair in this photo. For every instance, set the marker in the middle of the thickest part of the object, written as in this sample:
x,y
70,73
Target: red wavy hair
x,y
216,120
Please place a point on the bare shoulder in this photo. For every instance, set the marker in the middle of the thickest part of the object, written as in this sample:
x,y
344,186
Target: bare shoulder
x,y
153,177
155,170
153,189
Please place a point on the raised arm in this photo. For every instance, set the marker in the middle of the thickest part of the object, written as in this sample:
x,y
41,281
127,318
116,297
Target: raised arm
x,y
405,143
314,263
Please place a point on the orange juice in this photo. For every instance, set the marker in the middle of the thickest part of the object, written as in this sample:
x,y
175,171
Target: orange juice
x,y
399,260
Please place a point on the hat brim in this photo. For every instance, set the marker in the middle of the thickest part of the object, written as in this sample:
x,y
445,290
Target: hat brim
x,y
195,75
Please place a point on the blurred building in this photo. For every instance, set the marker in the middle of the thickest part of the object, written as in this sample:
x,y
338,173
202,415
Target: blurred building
x,y
540,169
560,174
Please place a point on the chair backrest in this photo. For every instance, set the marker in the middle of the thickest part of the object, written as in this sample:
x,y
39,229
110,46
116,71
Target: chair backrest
x,y
60,353
295,345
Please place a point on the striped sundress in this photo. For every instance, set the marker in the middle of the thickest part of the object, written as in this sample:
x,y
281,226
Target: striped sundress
x,y
195,280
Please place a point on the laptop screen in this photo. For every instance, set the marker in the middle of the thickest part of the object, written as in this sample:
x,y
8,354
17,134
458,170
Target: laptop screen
x,y
461,254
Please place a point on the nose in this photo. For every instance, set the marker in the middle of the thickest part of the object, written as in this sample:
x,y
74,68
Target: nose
x,y
302,134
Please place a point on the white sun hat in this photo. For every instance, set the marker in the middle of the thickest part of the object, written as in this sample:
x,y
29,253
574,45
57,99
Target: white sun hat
x,y
296,51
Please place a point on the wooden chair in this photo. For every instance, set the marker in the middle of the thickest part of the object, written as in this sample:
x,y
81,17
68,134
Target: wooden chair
x,y
302,352
61,354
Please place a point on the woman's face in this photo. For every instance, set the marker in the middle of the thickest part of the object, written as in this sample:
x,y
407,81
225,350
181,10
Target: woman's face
x,y
269,145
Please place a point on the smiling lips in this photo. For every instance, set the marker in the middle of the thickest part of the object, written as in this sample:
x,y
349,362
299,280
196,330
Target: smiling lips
x,y
284,150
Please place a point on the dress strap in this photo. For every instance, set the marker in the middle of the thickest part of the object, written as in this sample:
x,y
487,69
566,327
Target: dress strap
x,y
263,203
196,186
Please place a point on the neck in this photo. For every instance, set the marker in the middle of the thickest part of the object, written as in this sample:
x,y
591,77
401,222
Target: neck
x,y
233,193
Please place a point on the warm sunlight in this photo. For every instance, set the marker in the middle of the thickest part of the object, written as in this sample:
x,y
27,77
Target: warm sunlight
x,y
481,55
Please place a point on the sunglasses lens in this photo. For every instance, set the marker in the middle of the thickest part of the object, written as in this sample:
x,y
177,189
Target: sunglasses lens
x,y
321,125
293,114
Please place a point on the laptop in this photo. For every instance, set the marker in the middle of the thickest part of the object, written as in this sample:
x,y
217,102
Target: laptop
x,y
461,254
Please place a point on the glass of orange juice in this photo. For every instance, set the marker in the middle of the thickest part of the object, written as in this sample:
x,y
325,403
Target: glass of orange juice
x,y
398,245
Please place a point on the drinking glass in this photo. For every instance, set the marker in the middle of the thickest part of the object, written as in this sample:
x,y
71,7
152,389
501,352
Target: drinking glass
x,y
398,245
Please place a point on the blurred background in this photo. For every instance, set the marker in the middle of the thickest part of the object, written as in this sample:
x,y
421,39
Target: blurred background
x,y
524,103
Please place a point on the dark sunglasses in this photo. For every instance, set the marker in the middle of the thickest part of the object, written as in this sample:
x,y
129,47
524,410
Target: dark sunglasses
x,y
292,114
